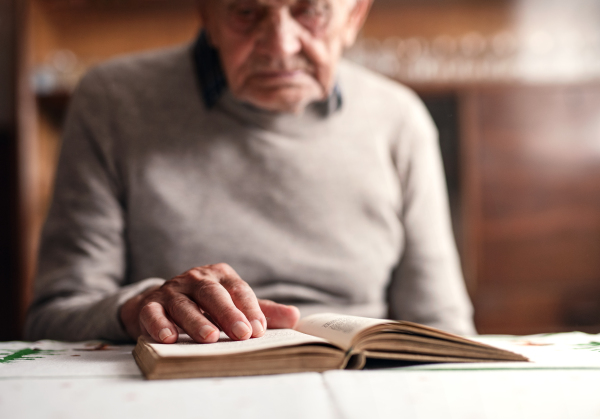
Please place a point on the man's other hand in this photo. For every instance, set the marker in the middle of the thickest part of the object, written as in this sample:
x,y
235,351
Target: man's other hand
x,y
199,302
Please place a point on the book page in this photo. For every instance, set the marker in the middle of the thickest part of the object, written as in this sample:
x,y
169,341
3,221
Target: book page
x,y
553,351
338,329
272,338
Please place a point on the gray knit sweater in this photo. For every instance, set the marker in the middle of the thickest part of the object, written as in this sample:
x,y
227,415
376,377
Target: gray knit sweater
x,y
344,213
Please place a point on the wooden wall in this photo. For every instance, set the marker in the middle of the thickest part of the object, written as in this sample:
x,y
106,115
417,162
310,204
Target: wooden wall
x,y
533,173
429,19
96,31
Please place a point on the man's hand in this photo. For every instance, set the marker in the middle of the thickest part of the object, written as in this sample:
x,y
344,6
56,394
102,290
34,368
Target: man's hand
x,y
199,302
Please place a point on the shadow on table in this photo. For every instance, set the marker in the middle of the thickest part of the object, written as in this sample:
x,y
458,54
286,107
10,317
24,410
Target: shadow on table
x,y
378,364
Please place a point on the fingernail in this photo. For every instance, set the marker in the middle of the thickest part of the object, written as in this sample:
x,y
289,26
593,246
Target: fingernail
x,y
206,331
164,333
257,328
241,330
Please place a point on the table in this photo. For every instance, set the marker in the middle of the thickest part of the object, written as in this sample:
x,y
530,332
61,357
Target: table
x,y
50,379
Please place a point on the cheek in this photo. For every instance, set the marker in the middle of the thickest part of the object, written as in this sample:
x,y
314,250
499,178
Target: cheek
x,y
325,53
235,52
325,46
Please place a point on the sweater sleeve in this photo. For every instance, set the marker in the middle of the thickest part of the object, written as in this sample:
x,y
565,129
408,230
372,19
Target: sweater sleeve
x,y
81,279
427,286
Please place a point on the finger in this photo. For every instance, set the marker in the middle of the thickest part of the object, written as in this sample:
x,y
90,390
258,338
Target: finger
x,y
154,320
185,314
279,316
245,300
214,299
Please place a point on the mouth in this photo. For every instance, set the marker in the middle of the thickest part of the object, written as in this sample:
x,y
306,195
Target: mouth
x,y
278,75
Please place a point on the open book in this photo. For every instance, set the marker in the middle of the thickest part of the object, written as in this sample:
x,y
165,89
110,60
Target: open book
x,y
318,343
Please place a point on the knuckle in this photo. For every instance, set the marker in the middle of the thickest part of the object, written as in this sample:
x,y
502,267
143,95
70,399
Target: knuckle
x,y
201,273
225,313
232,280
196,274
175,279
150,298
207,287
222,268
170,285
168,292
150,307
209,272
176,304
237,286
240,290
183,314
150,314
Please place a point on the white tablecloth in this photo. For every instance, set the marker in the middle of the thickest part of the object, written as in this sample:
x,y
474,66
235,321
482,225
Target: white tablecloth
x,y
84,380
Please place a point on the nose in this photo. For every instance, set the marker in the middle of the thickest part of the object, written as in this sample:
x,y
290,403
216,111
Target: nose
x,y
280,34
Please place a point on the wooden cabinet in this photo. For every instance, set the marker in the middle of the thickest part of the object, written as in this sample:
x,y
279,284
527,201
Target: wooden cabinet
x,y
523,171
531,206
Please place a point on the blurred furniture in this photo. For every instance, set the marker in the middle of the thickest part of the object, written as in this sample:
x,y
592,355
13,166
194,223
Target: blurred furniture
x,y
8,157
521,143
15,170
523,170
531,206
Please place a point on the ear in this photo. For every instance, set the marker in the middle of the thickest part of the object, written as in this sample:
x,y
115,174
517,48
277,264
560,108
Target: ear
x,y
356,19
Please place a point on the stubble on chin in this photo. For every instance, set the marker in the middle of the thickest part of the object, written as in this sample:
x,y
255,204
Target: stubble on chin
x,y
286,99
280,95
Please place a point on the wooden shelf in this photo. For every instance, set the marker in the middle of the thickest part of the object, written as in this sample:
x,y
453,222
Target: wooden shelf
x,y
111,4
97,34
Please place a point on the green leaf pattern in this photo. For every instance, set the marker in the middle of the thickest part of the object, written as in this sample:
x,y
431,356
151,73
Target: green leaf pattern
x,y
592,346
27,354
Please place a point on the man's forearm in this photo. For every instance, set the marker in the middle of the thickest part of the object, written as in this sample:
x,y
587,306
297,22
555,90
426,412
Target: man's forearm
x,y
83,316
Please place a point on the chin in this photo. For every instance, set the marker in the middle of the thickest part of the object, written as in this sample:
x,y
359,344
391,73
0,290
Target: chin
x,y
284,100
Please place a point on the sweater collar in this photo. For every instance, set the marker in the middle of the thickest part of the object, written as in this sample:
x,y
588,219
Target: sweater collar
x,y
213,82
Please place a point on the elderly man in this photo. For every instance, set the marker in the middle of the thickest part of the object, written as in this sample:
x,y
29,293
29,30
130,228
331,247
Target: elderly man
x,y
286,177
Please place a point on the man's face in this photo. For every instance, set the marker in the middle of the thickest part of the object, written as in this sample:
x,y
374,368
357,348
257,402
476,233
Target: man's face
x,y
281,55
